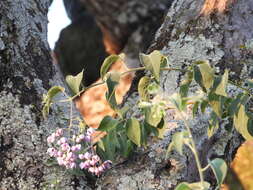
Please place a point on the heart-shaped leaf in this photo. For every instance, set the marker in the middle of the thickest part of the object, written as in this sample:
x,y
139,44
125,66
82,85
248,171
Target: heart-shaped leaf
x,y
153,63
107,124
134,131
107,64
219,168
207,74
47,99
112,82
74,82
185,84
221,89
142,88
241,123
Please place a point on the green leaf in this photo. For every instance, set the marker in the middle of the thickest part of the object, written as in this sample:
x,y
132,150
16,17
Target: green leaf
x,y
154,114
219,168
161,127
112,82
134,131
207,74
153,88
47,99
213,125
178,141
53,91
179,102
193,186
183,186
164,62
221,89
185,84
122,111
203,106
234,105
250,82
250,127
215,103
195,109
107,124
74,82
241,123
107,64
169,149
142,88
153,62
198,77
126,146
108,144
199,186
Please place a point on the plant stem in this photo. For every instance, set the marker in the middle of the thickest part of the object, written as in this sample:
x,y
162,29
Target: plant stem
x,y
193,148
133,70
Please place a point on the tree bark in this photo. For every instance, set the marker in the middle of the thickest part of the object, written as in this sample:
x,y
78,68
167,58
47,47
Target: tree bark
x,y
187,36
120,19
26,73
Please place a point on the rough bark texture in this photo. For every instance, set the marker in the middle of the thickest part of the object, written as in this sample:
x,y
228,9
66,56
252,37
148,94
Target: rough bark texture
x,y
185,37
26,73
120,19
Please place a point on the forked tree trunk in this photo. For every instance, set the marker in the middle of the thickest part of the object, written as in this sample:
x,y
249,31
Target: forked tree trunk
x,y
27,72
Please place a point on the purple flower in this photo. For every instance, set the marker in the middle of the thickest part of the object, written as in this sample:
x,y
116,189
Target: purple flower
x,y
51,138
97,172
59,154
87,155
90,131
107,164
59,132
65,147
70,156
96,158
91,169
84,165
87,138
81,156
80,138
60,161
76,148
72,165
93,162
100,169
52,152
63,140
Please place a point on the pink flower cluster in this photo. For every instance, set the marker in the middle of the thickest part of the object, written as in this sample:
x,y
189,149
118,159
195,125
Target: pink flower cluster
x,y
69,152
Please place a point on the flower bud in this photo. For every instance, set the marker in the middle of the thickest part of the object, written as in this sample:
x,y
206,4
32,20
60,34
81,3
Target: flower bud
x,y
52,152
59,132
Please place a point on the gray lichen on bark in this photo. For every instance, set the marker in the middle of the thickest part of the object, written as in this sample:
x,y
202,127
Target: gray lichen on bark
x,y
186,36
26,73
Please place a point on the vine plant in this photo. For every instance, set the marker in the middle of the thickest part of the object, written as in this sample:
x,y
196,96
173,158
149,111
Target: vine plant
x,y
124,133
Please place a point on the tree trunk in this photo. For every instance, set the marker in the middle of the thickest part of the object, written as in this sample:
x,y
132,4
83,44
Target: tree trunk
x,y
26,73
192,31
120,19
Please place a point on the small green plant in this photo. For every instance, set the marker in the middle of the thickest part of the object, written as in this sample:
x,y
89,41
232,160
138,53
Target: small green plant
x,y
125,133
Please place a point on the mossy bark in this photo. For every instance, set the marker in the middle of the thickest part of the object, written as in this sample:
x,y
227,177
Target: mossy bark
x,y
26,73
